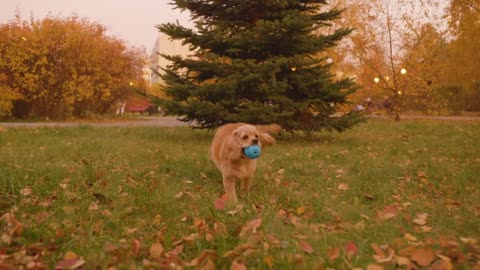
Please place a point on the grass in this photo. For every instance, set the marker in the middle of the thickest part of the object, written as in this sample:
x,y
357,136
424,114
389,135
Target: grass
x,y
144,198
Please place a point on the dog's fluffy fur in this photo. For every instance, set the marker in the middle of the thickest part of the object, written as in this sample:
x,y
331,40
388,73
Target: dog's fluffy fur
x,y
227,153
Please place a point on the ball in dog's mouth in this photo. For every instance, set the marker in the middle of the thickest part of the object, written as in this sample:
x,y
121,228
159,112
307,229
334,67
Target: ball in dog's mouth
x,y
252,152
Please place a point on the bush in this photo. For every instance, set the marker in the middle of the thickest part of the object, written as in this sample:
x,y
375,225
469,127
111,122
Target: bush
x,y
63,67
450,98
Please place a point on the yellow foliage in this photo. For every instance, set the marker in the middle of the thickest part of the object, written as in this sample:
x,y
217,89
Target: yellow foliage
x,y
64,66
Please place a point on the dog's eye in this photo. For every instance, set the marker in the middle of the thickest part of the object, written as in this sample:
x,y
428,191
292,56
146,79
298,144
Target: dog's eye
x,y
245,137
256,136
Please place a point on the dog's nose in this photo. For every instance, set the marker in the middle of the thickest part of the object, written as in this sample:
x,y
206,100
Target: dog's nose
x,y
255,141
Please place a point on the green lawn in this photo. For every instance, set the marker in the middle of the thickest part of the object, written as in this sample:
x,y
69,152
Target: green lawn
x,y
384,194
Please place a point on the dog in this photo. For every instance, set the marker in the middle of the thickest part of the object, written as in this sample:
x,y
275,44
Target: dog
x,y
228,156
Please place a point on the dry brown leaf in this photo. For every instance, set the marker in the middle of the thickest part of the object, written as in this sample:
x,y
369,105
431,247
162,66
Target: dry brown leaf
x,y
206,254
374,267
402,261
221,202
70,255
234,211
300,210
156,251
343,187
410,237
423,256
388,212
251,226
305,246
333,253
238,266
136,247
441,265
69,264
469,241
422,174
379,253
26,191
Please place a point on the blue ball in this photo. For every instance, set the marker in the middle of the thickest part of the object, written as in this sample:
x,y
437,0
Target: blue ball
x,y
252,152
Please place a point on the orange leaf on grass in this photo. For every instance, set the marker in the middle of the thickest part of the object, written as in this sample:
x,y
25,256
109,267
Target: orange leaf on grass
x,y
136,247
221,202
333,253
238,266
343,187
69,264
378,251
305,246
156,250
423,256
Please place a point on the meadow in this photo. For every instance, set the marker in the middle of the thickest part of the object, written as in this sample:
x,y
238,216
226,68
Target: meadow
x,y
382,195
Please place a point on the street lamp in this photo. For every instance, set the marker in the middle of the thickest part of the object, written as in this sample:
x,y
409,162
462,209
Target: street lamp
x,y
376,80
403,71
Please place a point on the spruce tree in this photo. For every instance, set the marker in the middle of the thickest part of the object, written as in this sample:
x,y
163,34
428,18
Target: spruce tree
x,y
257,61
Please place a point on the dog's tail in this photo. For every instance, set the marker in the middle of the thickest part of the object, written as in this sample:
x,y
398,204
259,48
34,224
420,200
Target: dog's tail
x,y
271,128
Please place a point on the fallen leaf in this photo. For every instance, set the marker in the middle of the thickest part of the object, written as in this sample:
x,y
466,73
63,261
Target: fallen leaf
x,y
351,248
234,211
402,261
178,195
69,264
469,241
136,247
441,265
388,212
343,187
268,260
221,202
26,191
378,252
238,266
410,237
300,210
374,267
204,256
422,174
421,219
70,255
423,256
156,251
305,246
333,253
251,226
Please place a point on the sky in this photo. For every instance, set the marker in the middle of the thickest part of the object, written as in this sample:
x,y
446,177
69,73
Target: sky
x,y
131,20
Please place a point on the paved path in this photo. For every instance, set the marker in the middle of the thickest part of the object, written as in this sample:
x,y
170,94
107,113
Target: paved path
x,y
163,121
159,121
428,117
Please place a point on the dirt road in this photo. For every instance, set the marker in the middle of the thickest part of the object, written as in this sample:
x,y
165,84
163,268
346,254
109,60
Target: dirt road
x,y
162,121
159,121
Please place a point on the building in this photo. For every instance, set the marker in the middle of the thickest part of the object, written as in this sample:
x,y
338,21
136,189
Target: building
x,y
164,45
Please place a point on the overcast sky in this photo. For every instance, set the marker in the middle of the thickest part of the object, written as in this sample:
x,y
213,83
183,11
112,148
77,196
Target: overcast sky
x,y
131,20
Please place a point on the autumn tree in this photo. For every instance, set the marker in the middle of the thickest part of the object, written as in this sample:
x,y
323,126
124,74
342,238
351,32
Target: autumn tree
x,y
256,62
61,67
463,53
384,31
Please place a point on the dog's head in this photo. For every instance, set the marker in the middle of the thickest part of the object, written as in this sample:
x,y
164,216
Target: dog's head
x,y
247,135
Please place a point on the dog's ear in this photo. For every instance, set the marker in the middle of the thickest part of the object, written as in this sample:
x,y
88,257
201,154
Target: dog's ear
x,y
236,136
266,139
